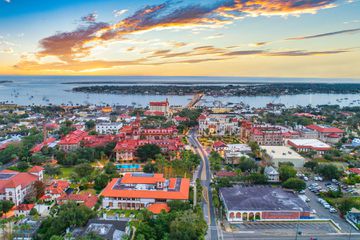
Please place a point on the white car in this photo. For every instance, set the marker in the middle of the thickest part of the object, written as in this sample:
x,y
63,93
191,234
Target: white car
x,y
306,178
302,192
332,210
327,206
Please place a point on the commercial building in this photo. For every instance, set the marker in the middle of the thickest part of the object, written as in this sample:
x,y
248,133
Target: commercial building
x,y
282,154
108,128
327,133
266,135
141,190
218,124
307,145
256,203
15,186
234,152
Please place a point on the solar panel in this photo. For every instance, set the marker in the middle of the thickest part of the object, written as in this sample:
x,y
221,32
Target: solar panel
x,y
6,175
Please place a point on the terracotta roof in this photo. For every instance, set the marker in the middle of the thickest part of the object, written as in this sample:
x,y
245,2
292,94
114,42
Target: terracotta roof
x,y
219,144
15,179
202,117
36,169
130,178
159,104
324,129
87,199
355,170
153,113
25,207
156,208
182,194
73,138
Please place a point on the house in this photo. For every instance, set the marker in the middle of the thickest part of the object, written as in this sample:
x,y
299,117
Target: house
x,y
307,145
109,229
219,146
271,174
234,153
108,128
55,189
72,141
86,199
218,124
15,186
327,133
23,209
49,142
258,203
282,154
141,190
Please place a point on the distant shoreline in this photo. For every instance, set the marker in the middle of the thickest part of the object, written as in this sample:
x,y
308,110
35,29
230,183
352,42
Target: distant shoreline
x,y
6,81
243,89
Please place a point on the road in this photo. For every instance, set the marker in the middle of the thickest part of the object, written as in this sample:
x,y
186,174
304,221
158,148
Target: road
x,y
205,176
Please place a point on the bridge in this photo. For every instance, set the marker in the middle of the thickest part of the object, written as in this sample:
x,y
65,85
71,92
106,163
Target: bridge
x,y
196,98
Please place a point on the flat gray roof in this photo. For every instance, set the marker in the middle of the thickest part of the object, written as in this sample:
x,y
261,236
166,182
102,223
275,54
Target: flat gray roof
x,y
261,198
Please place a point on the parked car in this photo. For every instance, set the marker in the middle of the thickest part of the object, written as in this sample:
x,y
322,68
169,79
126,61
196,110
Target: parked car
x,y
332,210
302,192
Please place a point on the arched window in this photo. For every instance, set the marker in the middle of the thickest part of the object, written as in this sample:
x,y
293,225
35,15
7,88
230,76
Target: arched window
x,y
244,216
257,216
251,216
232,215
238,215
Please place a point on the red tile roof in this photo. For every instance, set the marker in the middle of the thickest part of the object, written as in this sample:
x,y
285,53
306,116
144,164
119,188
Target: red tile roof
x,y
36,169
324,129
25,207
15,179
159,104
73,138
218,144
153,113
182,194
130,178
156,208
87,199
355,170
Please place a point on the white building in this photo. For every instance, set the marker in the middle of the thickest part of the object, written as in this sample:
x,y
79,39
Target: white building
x,y
218,124
282,154
108,128
307,145
15,186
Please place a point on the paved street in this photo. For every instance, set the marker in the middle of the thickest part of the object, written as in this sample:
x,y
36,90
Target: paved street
x,y
205,177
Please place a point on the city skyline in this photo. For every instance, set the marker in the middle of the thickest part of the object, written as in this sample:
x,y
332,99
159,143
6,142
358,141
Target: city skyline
x,y
315,38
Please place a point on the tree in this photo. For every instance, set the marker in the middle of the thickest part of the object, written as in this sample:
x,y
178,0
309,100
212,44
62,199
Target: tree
x,y
90,124
286,172
22,166
257,178
150,168
147,151
33,212
110,168
311,165
328,171
5,206
247,165
215,161
188,226
51,170
295,184
101,181
83,170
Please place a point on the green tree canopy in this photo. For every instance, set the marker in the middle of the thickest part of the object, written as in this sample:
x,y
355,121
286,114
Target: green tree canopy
x,y
147,151
295,184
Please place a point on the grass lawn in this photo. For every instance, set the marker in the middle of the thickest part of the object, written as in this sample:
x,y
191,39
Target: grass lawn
x,y
66,172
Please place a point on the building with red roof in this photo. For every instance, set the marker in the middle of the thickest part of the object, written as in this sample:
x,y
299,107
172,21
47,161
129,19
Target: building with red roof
x,y
86,199
327,133
141,190
55,189
94,141
23,209
72,140
156,208
157,108
46,142
15,186
307,145
266,135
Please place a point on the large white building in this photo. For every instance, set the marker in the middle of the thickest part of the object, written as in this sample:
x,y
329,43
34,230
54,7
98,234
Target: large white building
x,y
108,128
218,124
144,190
282,154
15,186
307,145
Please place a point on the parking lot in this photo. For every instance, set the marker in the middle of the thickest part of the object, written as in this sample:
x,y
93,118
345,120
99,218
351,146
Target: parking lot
x,y
321,211
288,228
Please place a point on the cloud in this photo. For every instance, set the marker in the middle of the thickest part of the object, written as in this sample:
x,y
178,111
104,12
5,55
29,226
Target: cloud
x,y
219,35
7,1
347,31
118,13
302,53
72,46
91,17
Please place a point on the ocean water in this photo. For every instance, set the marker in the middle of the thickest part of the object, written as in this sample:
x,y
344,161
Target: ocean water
x,y
45,90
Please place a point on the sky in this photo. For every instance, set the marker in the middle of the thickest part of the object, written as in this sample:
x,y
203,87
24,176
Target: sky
x,y
257,38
